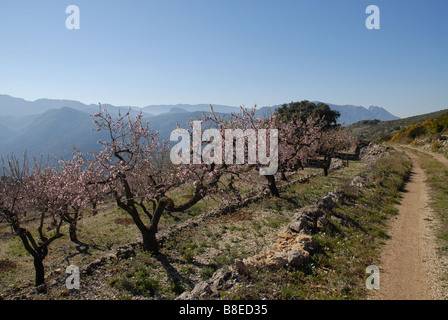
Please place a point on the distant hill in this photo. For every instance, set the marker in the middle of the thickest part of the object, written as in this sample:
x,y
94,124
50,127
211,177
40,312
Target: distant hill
x,y
54,133
384,130
11,127
351,114
162,109
177,110
16,107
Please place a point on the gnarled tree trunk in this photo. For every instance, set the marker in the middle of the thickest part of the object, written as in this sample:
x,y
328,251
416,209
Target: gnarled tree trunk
x,y
40,270
150,242
272,186
327,163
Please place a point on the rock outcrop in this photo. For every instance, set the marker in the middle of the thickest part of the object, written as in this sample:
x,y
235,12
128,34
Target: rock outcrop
x,y
372,152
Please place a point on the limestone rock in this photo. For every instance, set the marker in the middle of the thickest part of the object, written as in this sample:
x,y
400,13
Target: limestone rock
x,y
358,182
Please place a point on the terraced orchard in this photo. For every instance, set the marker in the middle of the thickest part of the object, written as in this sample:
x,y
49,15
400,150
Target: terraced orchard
x,y
137,224
210,240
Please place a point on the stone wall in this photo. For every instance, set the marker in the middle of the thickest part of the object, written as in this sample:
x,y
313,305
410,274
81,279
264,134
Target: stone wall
x,y
294,245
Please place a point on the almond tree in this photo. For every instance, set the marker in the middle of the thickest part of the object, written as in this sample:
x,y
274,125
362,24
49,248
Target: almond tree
x,y
298,141
332,141
135,169
332,137
21,192
79,192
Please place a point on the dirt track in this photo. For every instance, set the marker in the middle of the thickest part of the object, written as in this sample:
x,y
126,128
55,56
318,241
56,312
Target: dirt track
x,y
410,268
439,157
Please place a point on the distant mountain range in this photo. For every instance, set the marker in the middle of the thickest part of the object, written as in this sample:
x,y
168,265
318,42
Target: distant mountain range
x,y
48,126
351,114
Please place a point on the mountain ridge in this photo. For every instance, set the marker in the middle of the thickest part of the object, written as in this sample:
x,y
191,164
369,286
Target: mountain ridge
x,y
53,127
17,107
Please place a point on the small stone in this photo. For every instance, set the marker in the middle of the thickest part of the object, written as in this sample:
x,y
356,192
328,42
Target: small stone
x,y
297,257
241,267
358,182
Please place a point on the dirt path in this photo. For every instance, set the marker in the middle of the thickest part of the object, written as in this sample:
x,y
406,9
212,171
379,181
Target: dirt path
x,y
439,157
409,269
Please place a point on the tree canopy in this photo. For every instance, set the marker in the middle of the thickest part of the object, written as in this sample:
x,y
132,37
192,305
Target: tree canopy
x,y
305,109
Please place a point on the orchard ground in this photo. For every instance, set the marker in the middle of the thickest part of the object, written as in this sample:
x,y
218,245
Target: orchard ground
x,y
336,270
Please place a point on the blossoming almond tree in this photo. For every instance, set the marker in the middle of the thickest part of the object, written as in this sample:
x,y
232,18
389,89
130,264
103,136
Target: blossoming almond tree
x,y
244,146
291,143
22,191
299,142
135,169
332,141
79,191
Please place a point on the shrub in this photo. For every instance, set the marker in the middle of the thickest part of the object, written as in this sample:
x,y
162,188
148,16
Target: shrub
x,y
432,127
206,272
436,145
137,281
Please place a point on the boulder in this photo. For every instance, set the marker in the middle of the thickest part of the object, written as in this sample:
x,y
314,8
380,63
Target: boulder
x,y
305,220
223,279
330,200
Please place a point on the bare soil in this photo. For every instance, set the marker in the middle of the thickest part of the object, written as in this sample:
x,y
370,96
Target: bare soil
x,y
410,267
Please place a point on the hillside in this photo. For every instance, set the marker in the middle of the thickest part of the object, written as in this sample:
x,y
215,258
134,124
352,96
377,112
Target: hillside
x,y
202,246
54,133
57,131
352,114
313,243
385,130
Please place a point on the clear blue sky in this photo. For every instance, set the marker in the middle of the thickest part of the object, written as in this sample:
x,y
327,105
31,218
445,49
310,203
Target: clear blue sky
x,y
234,52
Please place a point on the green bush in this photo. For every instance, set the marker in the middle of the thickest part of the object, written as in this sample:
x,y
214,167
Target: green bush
x,y
207,272
137,281
431,128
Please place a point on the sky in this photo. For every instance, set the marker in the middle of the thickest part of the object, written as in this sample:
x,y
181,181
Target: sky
x,y
230,52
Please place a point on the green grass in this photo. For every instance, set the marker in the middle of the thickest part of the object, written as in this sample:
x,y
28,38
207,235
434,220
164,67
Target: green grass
x,y
144,276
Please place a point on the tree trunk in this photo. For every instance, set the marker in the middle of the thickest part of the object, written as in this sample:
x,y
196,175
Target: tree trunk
x,y
327,163
272,186
357,151
283,176
72,231
32,249
39,252
150,242
40,270
94,210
